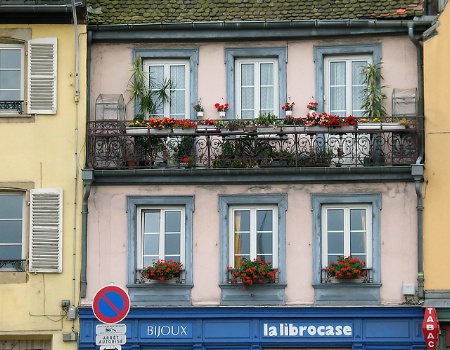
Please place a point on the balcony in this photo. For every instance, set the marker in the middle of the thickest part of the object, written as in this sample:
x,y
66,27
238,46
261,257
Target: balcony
x,y
111,145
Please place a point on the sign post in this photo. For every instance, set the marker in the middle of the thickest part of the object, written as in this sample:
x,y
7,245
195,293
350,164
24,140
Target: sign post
x,y
430,328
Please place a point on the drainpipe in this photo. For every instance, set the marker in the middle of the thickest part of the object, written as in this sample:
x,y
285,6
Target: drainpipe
x,y
417,169
88,178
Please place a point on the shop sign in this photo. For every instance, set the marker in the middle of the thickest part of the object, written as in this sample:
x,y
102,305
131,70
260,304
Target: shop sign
x,y
169,331
315,330
430,328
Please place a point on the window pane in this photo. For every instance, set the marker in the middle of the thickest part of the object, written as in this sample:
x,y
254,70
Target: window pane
x,y
173,221
337,88
247,91
10,231
357,87
172,243
11,207
264,220
335,220
156,80
357,219
10,95
10,252
151,221
336,243
178,93
357,243
267,88
10,59
9,79
265,244
151,245
242,234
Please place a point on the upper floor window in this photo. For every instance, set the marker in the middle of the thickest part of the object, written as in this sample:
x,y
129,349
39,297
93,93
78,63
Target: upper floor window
x,y
40,90
161,235
256,87
12,230
253,234
11,73
177,72
256,80
344,84
346,230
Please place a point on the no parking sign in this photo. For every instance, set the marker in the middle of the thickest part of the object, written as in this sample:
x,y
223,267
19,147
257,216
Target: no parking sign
x,y
111,304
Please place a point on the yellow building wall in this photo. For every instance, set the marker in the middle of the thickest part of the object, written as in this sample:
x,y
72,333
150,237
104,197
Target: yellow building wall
x,y
437,164
47,151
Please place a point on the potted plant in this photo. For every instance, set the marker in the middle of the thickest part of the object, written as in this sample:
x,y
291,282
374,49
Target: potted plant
x,y
346,268
207,125
250,272
162,270
184,126
291,124
312,105
373,95
199,108
148,94
267,122
288,107
221,108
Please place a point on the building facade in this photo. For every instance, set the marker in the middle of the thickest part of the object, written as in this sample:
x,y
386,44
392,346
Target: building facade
x,y
437,283
295,195
42,118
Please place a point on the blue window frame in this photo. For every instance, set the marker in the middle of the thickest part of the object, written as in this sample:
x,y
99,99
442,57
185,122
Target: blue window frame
x,y
266,294
190,57
138,207
356,293
276,58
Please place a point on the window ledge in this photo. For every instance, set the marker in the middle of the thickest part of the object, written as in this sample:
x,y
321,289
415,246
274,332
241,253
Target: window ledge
x,y
163,294
347,293
258,294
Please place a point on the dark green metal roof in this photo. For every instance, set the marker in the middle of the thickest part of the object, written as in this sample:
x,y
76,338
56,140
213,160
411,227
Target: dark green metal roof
x,y
186,11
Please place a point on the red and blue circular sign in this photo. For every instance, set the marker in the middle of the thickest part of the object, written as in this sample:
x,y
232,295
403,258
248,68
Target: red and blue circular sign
x,y
111,304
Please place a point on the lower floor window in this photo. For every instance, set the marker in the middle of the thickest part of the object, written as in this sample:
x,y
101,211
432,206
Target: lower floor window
x,y
161,235
346,231
253,235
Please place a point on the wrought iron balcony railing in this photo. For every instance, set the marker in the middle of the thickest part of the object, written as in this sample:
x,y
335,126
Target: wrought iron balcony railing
x,y
367,277
15,265
15,105
113,145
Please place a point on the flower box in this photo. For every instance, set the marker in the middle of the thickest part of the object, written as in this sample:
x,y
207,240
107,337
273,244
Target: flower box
x,y
268,129
316,129
158,131
208,128
178,131
380,126
136,130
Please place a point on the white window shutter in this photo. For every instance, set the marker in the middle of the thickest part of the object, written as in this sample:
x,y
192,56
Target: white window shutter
x,y
46,230
42,68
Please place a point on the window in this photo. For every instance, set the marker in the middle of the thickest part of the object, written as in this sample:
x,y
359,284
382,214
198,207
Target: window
x,y
178,73
256,80
12,231
347,230
161,235
41,74
256,87
11,75
345,224
254,234
338,77
181,67
159,227
344,85
253,226
45,248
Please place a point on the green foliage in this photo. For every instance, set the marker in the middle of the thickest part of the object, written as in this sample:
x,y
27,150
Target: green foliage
x,y
346,267
373,95
145,91
267,119
162,270
249,272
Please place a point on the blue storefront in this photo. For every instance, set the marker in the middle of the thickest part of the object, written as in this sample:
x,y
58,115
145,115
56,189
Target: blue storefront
x,y
242,328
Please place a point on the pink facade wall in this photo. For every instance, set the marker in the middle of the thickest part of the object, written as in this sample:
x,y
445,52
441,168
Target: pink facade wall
x,y
111,69
107,236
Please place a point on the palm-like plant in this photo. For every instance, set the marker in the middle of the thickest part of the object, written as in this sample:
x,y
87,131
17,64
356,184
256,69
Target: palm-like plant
x,y
146,92
373,95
